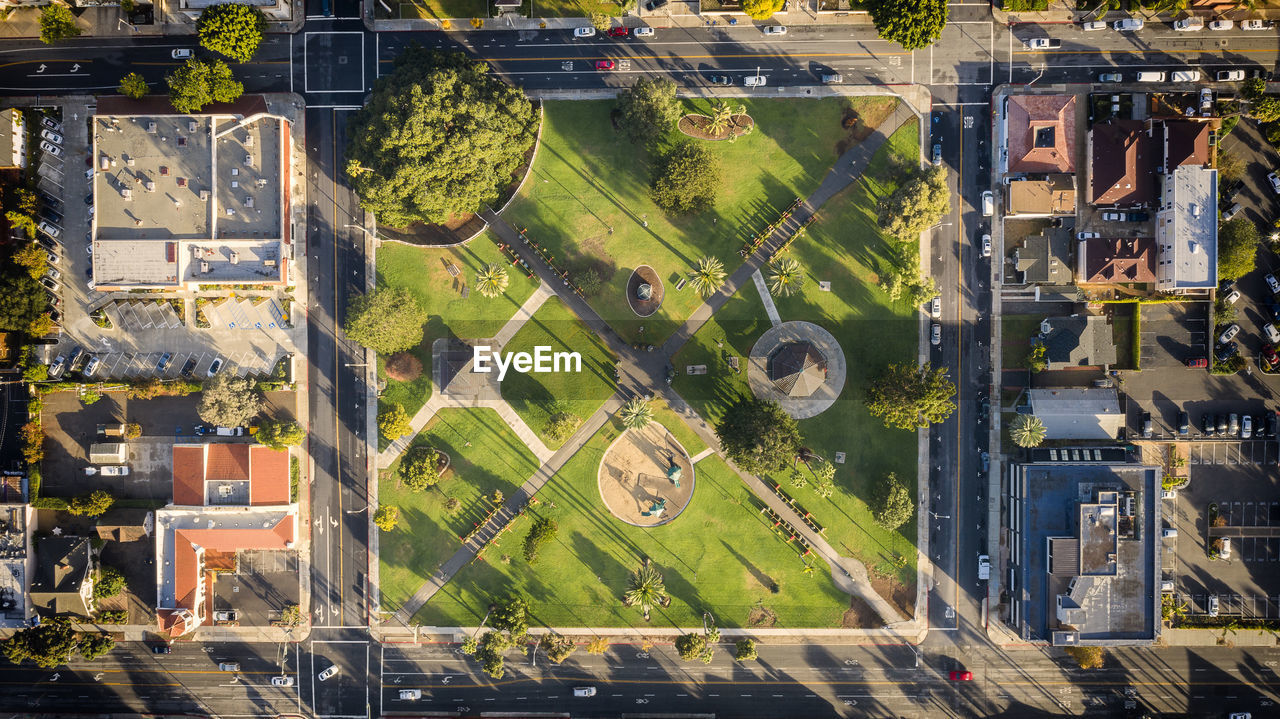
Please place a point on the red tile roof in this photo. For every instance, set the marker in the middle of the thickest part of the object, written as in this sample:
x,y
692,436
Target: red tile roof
x,y
1042,133
187,561
266,470
226,462
269,471
188,475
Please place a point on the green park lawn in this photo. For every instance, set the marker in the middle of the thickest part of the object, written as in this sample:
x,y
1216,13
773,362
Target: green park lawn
x,y
427,534
423,272
587,196
844,247
536,397
719,555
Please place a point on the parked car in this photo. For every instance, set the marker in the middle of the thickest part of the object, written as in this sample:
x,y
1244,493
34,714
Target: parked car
x,y
1253,25
1087,235
584,32
1274,179
226,615
604,64
1232,296
1184,424
57,366
1129,24
935,334
986,245
1148,428
51,136
1213,605
181,53
189,367
1198,363
1207,424
52,273
1229,75
1272,334
1229,333
1043,43
584,691
775,30
51,123
1231,212
1091,25
961,676
1269,424
282,681
1225,553
328,673
1206,102
619,31
50,229
719,79
1111,216
1246,427
1189,24
1110,77
1233,424
1270,357
160,649
217,365
1272,283
643,32
91,366
832,78
937,154
165,359
988,204
50,284
1222,425
935,308
51,148
1220,25
755,81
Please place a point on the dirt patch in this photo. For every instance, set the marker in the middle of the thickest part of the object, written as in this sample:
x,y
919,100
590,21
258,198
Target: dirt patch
x,y
403,367
761,616
901,596
644,275
860,615
634,475
862,121
697,126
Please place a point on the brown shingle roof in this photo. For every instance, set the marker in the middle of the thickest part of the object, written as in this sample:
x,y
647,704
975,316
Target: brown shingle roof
x,y
1185,143
1120,165
1042,133
1120,260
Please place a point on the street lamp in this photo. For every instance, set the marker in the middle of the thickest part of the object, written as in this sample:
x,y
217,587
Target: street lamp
x,y
935,515
1037,77
358,511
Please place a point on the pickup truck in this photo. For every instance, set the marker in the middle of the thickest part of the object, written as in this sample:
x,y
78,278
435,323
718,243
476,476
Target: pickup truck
x,y
1044,43
984,567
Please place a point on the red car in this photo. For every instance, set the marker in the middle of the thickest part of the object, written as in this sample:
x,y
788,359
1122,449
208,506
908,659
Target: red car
x,y
1269,354
604,64
959,676
1198,363
618,32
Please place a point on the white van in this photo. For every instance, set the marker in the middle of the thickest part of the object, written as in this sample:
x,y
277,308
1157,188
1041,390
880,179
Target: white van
x,y
988,204
1185,76
755,81
1150,76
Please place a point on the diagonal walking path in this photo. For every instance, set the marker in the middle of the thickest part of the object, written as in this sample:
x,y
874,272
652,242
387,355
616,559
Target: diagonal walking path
x,y
770,308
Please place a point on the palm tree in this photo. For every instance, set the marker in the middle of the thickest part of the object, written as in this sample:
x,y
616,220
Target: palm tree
x,y
721,115
646,589
491,281
636,413
786,278
1027,430
708,276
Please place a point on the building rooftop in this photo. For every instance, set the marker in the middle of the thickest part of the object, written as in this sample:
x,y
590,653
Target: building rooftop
x,y
1042,198
1078,341
1042,133
61,573
1184,142
1105,260
1045,258
1187,230
1069,413
216,473
1120,164
13,139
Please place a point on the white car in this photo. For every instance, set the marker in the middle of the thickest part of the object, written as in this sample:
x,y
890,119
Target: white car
x,y
1044,43
1113,217
1092,25
986,245
1230,75
1110,77
114,470
1272,283
1232,297
584,691
1189,24
281,681
1273,334
50,229
1226,548
755,81
51,136
1231,212
638,32
775,30
1213,605
181,53
51,148
1257,25
53,274
1087,235
988,204
91,366
1129,24
1229,334
1220,25
584,32
410,695
1274,179
935,308
328,673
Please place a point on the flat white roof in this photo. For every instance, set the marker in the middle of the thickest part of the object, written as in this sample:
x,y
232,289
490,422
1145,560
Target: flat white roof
x,y
1187,230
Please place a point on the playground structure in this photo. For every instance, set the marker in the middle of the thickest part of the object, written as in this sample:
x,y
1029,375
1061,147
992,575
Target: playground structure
x,y
646,477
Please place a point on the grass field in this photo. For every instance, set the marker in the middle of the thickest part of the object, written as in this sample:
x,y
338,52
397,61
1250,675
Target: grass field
x,y
845,248
428,534
536,397
1016,333
587,199
424,272
719,555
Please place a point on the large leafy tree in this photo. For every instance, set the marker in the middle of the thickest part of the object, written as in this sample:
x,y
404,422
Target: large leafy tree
x,y
231,29
687,179
229,401
893,506
761,9
50,644
1237,248
386,320
395,422
512,615
920,203
57,22
913,24
32,258
109,583
386,517
707,277
645,589
201,82
908,397
22,302
759,435
439,137
420,469
542,532
93,504
133,85
648,109
1027,430
280,433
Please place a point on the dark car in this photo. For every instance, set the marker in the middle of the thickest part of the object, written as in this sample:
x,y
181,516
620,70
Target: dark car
x,y
189,367
720,80
51,202
618,32
165,359
51,216
76,353
1137,216
1274,312
1184,424
1208,425
1226,352
1148,428
160,649
1269,424
1222,424
88,199
652,5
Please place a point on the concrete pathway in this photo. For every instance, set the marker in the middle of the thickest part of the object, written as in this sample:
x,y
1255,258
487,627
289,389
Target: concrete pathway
x,y
702,455
524,314
766,297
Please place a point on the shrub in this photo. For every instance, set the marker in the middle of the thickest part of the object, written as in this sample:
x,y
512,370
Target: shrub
x,y
32,442
561,426
93,504
557,647
893,507
745,650
1086,657
386,518
108,583
133,430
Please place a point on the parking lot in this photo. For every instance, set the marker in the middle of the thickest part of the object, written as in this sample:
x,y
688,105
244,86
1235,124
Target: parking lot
x,y
264,584
1173,332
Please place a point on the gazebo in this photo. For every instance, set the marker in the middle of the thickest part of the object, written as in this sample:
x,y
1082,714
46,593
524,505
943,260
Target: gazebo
x,y
797,369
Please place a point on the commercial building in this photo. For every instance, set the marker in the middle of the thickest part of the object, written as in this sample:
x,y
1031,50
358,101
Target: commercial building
x,y
187,200
1187,231
13,139
278,10
1078,414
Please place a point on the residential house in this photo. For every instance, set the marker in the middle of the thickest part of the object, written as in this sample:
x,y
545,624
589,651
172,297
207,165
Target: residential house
x,y
63,578
1105,260
1078,341
1120,164
1039,134
126,525
1054,195
1045,259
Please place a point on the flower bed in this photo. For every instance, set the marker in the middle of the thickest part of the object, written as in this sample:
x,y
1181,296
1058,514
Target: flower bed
x,y
696,126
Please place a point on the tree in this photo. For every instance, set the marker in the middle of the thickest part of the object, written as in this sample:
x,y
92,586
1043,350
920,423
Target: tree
x,y
386,320
41,325
697,646
910,397
92,646
722,116
201,82
687,179
1253,88
229,401
22,302
280,433
57,23
489,651
512,615
761,9
440,137
231,29
134,85
1231,166
93,504
48,645
108,583
786,278
22,221
33,258
394,423
557,647
561,425
492,280
469,646
893,505
420,469
1089,657
645,589
637,413
133,430
759,436
918,204
542,532
1027,430
1037,358
913,24
32,442
707,277
648,109
386,518
745,650
1237,248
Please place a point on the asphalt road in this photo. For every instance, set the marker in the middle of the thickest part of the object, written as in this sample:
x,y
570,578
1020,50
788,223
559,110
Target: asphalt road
x,y
333,63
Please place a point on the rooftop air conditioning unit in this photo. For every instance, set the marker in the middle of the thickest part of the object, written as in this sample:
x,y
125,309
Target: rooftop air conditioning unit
x,y
204,194
248,141
150,185
235,257
248,201
104,163
151,128
204,267
248,160
195,252
127,194
130,161
191,126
